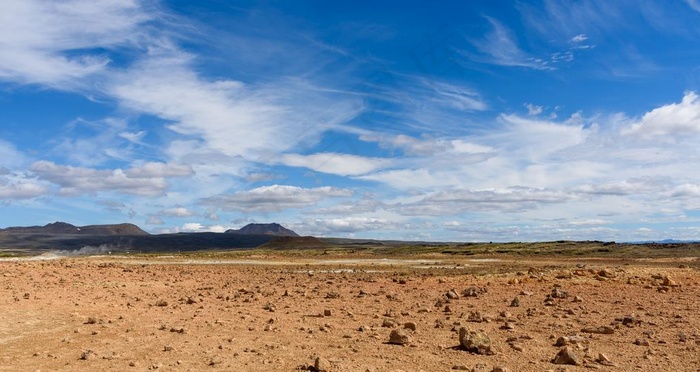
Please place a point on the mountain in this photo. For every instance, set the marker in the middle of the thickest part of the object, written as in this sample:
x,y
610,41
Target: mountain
x,y
263,229
62,228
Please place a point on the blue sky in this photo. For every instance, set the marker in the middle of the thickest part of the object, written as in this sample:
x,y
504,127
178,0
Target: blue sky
x,y
467,121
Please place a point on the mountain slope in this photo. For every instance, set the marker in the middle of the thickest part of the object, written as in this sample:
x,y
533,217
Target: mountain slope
x,y
263,229
62,228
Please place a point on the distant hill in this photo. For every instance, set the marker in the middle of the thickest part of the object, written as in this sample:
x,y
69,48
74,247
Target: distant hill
x,y
295,242
263,229
63,228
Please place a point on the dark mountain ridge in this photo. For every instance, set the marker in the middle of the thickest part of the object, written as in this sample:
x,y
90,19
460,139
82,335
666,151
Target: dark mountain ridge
x,y
263,229
63,228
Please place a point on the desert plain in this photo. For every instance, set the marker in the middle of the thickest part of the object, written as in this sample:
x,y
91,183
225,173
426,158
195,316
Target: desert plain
x,y
349,311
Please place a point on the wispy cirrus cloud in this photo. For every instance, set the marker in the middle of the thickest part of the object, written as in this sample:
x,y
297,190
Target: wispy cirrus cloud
x,y
500,47
71,41
336,163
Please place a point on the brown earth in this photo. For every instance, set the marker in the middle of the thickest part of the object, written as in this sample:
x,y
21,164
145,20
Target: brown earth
x,y
281,313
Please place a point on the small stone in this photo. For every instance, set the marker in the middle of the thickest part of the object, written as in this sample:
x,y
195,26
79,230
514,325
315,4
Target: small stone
x,y
606,273
566,356
668,282
322,364
570,340
452,294
604,360
558,293
161,303
499,369
389,323
460,367
515,302
471,292
602,330
477,342
327,312
641,342
88,355
399,337
410,325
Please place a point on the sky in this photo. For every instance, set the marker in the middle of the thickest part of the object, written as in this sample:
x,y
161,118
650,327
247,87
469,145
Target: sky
x,y
463,121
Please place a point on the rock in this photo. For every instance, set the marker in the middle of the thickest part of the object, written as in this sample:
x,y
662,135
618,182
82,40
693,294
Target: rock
x,y
460,367
515,302
389,323
161,303
570,340
322,364
602,330
606,273
668,282
641,342
566,356
410,325
477,342
471,292
499,369
332,295
399,337
604,360
558,293
88,355
327,312
452,294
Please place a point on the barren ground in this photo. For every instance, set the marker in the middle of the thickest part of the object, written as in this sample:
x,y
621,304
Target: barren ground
x,y
279,313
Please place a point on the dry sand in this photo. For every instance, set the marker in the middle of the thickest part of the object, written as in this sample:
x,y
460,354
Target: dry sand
x,y
268,313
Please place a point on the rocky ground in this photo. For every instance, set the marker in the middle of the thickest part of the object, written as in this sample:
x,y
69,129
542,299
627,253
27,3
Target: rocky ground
x,y
338,314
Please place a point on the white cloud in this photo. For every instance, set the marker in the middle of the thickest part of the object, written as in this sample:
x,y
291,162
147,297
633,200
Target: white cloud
x,y
177,212
14,188
694,4
675,120
147,180
457,201
335,163
52,43
153,220
91,143
500,47
533,109
192,227
579,38
332,226
426,146
135,137
10,157
275,198
198,227
456,97
230,117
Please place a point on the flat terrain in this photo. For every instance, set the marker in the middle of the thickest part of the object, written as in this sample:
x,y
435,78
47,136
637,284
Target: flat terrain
x,y
280,312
